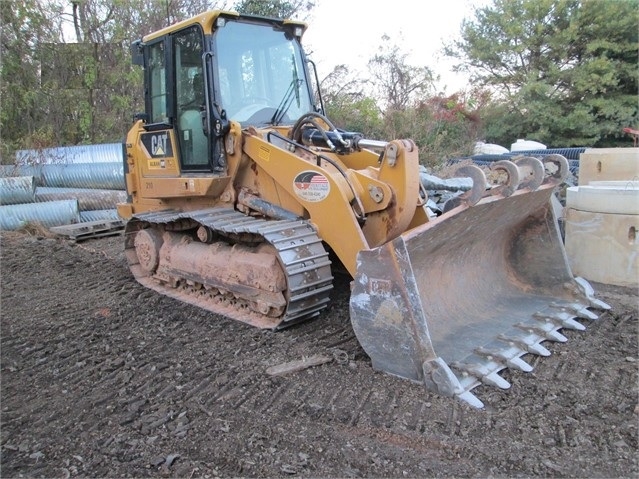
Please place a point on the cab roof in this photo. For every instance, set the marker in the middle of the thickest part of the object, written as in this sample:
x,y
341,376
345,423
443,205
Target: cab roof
x,y
207,21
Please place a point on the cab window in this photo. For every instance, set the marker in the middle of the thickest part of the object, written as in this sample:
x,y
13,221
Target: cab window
x,y
189,97
157,83
260,72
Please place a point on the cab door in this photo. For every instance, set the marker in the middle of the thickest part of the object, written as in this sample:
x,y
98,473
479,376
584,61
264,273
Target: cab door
x,y
194,145
175,100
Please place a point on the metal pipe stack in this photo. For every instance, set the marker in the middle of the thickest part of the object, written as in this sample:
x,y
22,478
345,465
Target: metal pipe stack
x,y
61,186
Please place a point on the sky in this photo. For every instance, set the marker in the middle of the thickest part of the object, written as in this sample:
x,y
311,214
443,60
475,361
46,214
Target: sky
x,y
350,32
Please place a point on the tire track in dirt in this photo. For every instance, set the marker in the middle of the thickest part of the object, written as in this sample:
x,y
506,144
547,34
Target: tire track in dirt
x,y
117,375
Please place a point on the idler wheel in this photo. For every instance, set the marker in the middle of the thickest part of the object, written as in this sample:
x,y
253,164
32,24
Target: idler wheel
x,y
147,247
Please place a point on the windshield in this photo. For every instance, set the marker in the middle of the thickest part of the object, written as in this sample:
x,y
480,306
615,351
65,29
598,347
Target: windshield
x,y
261,77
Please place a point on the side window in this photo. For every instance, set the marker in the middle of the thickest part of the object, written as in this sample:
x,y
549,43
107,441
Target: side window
x,y
157,83
189,94
188,69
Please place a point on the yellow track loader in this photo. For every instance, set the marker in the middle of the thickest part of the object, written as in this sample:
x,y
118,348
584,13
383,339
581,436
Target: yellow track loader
x,y
244,199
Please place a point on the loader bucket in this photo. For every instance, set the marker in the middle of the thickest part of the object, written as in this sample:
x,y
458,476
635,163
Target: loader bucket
x,y
456,300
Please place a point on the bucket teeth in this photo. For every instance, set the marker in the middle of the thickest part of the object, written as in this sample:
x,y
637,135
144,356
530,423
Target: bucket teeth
x,y
561,318
577,309
520,364
471,399
556,336
529,342
598,304
510,356
544,329
589,292
538,349
483,373
586,314
495,379
484,364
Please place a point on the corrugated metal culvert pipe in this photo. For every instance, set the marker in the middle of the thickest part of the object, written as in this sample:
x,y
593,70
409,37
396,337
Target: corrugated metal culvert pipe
x,y
51,213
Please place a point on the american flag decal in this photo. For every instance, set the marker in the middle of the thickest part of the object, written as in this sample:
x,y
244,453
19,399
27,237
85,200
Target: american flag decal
x,y
311,186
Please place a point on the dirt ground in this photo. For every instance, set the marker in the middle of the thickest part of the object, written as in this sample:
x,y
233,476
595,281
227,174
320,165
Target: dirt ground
x,y
103,378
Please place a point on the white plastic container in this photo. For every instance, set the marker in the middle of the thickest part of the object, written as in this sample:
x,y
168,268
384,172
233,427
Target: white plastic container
x,y
482,148
526,145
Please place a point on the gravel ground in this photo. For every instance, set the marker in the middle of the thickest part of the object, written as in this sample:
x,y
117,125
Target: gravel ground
x,y
103,378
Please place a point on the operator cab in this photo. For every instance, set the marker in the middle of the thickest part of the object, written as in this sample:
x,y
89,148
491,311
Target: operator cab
x,y
202,73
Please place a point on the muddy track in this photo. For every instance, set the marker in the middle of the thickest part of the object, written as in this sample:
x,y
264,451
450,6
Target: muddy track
x,y
103,378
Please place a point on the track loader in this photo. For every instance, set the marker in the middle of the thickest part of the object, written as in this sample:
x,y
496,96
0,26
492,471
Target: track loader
x,y
244,199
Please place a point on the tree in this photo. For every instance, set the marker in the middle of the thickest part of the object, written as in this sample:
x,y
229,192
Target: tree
x,y
442,127
275,8
24,25
66,75
347,105
563,72
398,84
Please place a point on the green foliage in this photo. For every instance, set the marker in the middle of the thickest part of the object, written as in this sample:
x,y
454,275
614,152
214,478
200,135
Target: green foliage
x,y
60,88
361,115
66,75
442,127
23,24
395,103
347,105
563,72
274,8
398,84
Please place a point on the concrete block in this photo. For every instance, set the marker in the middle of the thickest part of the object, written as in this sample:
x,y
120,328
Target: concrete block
x,y
608,164
619,197
603,247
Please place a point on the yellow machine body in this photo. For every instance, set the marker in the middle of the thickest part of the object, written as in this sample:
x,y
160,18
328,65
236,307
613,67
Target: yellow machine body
x,y
244,199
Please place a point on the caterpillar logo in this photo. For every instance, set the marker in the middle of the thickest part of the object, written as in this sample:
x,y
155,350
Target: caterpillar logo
x,y
158,144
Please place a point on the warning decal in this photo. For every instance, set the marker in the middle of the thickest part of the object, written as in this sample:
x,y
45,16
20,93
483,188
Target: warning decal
x,y
311,186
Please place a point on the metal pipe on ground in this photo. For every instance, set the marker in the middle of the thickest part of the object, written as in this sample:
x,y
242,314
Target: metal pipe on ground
x,y
89,199
10,171
17,190
51,213
100,153
82,175
99,215
108,176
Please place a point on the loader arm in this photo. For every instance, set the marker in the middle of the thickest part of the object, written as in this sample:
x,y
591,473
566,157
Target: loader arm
x,y
343,203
